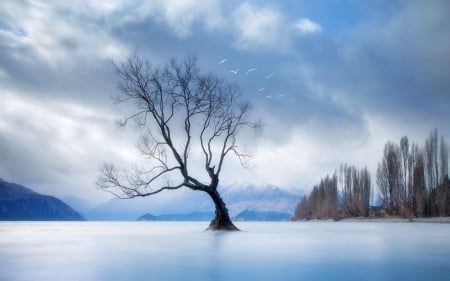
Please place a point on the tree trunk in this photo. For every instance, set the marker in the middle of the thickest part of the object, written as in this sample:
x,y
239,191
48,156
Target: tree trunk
x,y
222,219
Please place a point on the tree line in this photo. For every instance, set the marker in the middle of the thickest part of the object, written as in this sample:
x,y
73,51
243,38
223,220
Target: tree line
x,y
412,180
343,194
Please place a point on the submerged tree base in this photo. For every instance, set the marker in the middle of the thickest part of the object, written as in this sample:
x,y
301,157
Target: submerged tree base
x,y
222,219
222,224
213,226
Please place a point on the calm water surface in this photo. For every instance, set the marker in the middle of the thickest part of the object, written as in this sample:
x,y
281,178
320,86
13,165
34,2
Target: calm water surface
x,y
91,251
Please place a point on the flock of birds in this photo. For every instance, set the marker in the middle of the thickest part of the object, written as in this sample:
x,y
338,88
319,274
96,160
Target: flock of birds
x,y
260,90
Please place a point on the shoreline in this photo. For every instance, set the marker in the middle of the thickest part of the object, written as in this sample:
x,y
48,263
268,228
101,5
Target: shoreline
x,y
444,220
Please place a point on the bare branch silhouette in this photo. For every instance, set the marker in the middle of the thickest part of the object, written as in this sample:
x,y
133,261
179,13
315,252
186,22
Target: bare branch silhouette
x,y
181,109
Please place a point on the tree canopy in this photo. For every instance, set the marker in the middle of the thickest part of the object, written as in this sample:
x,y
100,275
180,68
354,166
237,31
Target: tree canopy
x,y
180,109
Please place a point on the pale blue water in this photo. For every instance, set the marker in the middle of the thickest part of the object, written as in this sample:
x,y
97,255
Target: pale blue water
x,y
88,251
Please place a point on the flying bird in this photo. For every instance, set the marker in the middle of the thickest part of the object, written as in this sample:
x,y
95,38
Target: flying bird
x,y
280,96
234,71
268,76
223,61
262,89
250,70
269,96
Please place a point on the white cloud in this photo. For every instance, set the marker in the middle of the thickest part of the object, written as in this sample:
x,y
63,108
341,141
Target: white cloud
x,y
268,28
55,34
258,27
306,156
306,26
58,146
181,15
57,31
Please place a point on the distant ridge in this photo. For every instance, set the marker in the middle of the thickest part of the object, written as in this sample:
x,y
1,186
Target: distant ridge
x,y
185,204
251,215
195,216
23,204
247,215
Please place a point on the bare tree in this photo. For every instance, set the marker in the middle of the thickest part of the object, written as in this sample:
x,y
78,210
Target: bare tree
x,y
364,199
436,159
356,190
443,160
383,185
405,190
303,210
389,177
181,110
323,201
442,192
419,185
416,184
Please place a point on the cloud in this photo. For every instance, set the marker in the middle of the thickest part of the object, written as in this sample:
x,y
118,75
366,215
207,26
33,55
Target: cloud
x,y
182,15
305,26
52,34
258,27
415,50
368,78
268,28
305,155
57,146
387,64
385,71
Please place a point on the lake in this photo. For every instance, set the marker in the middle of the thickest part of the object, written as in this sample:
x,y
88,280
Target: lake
x,y
88,251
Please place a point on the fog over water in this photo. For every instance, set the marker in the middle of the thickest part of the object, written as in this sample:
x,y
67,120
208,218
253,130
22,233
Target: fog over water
x,y
262,251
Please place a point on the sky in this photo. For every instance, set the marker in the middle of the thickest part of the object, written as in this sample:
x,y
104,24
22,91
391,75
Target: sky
x,y
334,81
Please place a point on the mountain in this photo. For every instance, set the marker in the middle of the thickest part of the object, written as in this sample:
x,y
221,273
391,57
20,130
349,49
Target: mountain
x,y
196,216
148,217
80,205
20,203
183,203
249,215
259,198
174,202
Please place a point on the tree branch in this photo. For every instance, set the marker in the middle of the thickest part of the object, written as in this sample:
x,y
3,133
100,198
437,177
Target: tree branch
x,y
166,97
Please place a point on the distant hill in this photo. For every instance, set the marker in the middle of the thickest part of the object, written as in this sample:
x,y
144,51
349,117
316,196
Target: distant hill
x,y
79,204
184,204
148,217
196,216
247,215
20,203
250,215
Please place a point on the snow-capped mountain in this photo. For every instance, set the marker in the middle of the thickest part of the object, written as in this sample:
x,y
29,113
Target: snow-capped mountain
x,y
238,199
254,198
